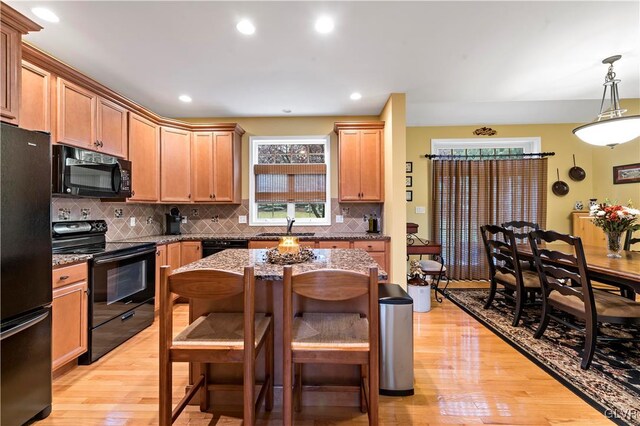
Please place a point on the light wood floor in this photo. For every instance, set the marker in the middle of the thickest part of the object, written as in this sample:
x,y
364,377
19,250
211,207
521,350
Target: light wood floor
x,y
464,375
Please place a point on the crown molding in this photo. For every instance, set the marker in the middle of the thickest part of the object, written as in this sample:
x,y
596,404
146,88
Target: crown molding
x,y
358,125
11,17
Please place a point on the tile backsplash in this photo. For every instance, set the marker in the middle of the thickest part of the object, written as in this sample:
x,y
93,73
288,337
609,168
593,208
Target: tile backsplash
x,y
206,219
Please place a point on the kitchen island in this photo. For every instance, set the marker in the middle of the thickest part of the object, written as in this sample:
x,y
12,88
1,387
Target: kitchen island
x,y
269,299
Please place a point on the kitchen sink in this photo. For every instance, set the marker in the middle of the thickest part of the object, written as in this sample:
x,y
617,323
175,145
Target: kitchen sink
x,y
284,234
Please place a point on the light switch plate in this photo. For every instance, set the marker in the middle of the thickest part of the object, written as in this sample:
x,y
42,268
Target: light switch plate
x,y
242,218
421,210
132,221
184,219
339,218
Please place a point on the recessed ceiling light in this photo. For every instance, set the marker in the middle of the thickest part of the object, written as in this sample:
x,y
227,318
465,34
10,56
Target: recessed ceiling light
x,y
324,25
46,14
286,111
185,98
246,27
355,96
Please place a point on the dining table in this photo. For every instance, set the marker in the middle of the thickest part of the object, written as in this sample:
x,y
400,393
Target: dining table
x,y
622,272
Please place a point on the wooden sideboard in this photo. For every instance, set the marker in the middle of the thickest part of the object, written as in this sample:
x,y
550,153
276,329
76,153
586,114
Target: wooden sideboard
x,y
583,227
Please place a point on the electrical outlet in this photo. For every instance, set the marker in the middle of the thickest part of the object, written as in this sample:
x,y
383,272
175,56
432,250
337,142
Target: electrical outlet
x,y
184,219
132,221
195,212
242,218
339,218
215,218
421,210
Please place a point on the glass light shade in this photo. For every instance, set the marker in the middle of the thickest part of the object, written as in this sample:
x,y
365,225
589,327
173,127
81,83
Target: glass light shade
x,y
288,245
612,131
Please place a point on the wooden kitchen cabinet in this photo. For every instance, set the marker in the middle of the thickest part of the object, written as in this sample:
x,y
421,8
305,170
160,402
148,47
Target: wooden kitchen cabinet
x,y
112,128
215,162
35,102
174,258
161,260
144,154
360,161
88,121
175,165
13,26
76,116
69,311
190,251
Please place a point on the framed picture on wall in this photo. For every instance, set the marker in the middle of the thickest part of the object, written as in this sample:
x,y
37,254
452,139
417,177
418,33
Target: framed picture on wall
x,y
408,181
409,195
408,168
628,173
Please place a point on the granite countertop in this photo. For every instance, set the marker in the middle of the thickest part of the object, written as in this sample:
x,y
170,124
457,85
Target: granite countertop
x,y
235,260
319,236
68,259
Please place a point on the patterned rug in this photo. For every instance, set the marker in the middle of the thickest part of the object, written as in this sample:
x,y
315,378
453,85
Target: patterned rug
x,y
611,385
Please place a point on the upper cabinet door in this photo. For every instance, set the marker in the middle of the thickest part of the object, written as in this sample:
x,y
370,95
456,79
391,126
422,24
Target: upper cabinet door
x,y
175,165
35,103
76,116
202,166
112,128
224,183
144,154
9,73
371,176
349,165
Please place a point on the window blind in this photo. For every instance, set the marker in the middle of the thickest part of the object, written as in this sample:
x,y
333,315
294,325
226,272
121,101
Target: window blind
x,y
290,183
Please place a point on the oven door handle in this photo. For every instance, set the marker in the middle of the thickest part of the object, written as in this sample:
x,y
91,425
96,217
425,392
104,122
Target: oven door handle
x,y
125,257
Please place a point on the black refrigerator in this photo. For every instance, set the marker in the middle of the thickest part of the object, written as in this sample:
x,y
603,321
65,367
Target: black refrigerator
x,y
25,298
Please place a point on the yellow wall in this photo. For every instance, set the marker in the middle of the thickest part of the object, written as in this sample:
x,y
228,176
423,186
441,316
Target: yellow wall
x,y
394,213
286,126
596,161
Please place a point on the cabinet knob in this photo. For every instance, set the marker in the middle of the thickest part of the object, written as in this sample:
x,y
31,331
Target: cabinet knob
x,y
214,195
158,253
96,143
64,277
189,196
101,144
133,193
210,195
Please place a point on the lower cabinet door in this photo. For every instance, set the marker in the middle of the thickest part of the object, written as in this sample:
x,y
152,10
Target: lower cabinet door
x,y
69,327
190,252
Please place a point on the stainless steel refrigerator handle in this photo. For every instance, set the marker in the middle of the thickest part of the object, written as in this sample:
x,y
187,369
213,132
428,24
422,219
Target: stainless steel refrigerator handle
x,y
128,256
23,326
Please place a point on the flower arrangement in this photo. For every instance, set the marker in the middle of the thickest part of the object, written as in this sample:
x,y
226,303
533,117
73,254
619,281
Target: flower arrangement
x,y
614,219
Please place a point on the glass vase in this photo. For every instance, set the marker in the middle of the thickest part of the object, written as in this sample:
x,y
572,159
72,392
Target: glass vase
x,y
614,245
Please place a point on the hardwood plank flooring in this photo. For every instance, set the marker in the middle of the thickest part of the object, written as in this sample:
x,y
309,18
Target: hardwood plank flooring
x,y
464,375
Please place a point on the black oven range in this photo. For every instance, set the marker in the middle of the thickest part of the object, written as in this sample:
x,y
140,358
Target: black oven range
x,y
121,283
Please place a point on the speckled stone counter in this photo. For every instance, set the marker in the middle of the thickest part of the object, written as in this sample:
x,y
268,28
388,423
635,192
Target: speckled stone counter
x,y
68,259
164,239
235,260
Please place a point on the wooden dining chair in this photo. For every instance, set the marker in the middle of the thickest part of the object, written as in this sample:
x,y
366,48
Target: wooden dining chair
x,y
505,269
330,338
630,240
521,229
214,338
567,288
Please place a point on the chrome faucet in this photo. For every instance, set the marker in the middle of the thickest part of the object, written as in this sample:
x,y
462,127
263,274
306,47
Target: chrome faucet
x,y
290,221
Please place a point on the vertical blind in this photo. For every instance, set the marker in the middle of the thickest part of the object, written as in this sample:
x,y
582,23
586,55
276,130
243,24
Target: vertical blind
x,y
469,194
287,183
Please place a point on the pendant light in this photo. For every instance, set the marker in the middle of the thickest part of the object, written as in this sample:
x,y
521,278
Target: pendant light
x,y
611,127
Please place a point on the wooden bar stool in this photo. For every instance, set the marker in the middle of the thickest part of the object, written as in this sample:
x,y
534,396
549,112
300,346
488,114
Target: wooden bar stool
x,y
331,338
214,338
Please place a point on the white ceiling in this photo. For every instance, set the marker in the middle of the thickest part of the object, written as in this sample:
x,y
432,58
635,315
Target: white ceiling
x,y
458,62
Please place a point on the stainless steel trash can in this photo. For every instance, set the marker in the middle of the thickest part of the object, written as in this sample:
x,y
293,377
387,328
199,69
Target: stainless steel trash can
x,y
396,341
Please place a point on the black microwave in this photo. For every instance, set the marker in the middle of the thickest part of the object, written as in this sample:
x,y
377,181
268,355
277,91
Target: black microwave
x,y
82,173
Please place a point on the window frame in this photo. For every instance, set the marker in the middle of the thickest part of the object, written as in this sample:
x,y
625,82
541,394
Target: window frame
x,y
254,142
529,145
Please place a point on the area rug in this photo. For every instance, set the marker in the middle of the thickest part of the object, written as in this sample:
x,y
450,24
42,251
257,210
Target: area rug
x,y
611,385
